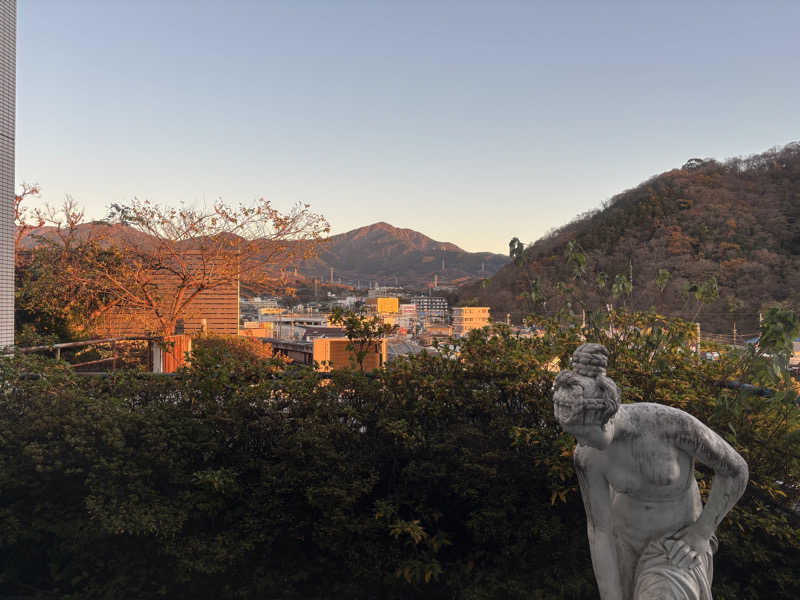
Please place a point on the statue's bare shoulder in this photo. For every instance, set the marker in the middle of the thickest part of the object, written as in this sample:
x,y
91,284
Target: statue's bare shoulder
x,y
685,432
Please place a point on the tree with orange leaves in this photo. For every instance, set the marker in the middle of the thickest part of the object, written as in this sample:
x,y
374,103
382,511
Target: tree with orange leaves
x,y
25,217
170,256
150,262
54,298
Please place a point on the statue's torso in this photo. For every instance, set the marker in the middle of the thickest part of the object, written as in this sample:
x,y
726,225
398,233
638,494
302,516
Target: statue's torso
x,y
652,485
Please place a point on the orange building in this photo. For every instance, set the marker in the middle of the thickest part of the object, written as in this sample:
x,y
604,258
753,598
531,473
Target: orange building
x,y
258,329
332,353
383,305
467,318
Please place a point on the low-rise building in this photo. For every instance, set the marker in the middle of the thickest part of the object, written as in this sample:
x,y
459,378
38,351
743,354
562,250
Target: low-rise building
x,y
408,316
334,353
384,305
435,333
467,318
256,329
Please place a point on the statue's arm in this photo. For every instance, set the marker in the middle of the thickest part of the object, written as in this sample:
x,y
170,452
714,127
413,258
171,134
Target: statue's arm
x,y
596,495
728,485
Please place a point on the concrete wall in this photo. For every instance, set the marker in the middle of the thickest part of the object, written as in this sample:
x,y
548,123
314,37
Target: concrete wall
x,y
8,41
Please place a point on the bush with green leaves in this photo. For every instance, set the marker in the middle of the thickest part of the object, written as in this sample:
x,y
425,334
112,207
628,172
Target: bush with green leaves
x,y
439,476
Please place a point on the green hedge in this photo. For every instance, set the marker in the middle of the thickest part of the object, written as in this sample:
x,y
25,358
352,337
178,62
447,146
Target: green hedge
x,y
441,477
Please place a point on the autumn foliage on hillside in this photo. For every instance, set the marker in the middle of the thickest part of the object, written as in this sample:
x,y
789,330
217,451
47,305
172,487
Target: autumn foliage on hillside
x,y
711,241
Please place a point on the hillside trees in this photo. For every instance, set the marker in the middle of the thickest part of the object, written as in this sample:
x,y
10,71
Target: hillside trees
x,y
737,222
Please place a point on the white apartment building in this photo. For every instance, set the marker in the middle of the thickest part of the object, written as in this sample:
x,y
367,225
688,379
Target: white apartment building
x,y
8,62
431,308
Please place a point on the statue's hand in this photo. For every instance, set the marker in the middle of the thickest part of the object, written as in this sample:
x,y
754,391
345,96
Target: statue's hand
x,y
686,546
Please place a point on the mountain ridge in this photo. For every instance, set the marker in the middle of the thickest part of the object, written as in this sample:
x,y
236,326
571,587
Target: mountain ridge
x,y
379,252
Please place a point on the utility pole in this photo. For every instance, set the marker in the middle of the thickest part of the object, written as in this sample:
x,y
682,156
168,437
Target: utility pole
x,y
698,338
630,269
331,274
734,333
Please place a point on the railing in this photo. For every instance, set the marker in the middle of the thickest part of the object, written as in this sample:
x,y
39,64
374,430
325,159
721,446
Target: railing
x,y
57,348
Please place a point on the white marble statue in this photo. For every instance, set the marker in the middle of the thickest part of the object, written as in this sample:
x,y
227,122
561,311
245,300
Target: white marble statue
x,y
649,534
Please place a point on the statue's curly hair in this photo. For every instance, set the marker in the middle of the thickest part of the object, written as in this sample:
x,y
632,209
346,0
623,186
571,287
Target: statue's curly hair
x,y
589,360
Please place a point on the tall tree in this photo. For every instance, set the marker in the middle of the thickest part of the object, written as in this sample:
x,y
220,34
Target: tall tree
x,y
153,261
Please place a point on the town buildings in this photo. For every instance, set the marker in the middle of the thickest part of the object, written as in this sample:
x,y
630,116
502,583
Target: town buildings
x,y
8,62
250,308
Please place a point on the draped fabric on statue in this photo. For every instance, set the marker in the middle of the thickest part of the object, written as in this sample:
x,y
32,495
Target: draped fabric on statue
x,y
658,579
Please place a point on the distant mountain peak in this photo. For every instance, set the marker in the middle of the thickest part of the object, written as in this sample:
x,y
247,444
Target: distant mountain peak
x,y
384,252
386,232
381,225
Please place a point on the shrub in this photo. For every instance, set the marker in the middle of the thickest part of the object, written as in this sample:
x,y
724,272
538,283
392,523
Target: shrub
x,y
438,477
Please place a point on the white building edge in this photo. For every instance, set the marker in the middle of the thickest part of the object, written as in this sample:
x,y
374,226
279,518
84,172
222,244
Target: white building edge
x,y
8,75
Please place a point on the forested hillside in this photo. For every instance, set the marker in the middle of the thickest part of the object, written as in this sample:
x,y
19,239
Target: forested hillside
x,y
713,242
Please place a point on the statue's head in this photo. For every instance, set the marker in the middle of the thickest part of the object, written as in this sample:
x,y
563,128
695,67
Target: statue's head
x,y
584,398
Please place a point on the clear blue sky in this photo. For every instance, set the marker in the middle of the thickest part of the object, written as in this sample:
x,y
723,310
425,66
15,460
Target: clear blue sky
x,y
470,122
